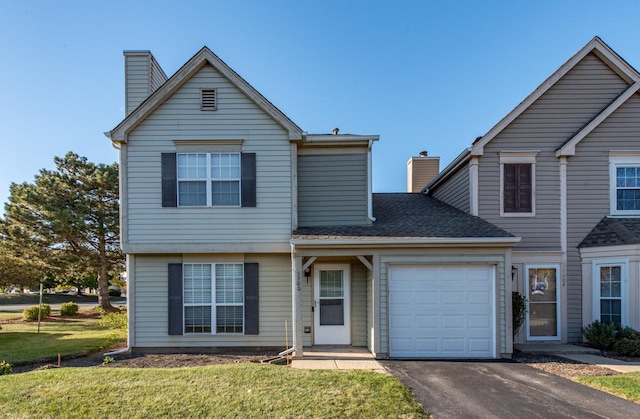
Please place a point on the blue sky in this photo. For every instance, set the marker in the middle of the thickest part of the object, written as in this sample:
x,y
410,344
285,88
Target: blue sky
x,y
423,75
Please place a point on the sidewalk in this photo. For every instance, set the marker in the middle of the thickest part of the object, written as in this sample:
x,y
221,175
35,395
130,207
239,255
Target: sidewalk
x,y
579,354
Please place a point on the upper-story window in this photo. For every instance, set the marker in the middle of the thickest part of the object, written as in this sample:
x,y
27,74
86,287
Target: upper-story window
x,y
625,184
208,179
517,183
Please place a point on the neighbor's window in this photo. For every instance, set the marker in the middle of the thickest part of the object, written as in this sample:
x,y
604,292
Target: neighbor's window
x,y
214,298
517,194
208,179
627,189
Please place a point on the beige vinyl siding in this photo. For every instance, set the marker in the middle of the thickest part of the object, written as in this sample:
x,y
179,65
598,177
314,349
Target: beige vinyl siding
x,y
136,79
332,189
455,190
358,304
588,191
180,117
547,124
157,76
151,298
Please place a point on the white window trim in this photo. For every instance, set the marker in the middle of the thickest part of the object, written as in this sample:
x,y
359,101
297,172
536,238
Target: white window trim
x,y
518,157
555,266
209,179
624,286
213,303
617,159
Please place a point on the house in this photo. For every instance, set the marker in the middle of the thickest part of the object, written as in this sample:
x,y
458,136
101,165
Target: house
x,y
562,171
242,230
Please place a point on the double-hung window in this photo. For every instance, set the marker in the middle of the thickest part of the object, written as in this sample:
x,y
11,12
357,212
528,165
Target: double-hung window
x,y
610,291
213,297
517,183
625,185
208,179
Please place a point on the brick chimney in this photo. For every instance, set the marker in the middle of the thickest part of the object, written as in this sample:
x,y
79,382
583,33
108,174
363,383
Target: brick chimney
x,y
420,170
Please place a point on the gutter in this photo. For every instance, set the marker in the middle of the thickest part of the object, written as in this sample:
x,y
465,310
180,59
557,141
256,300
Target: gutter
x,y
125,351
369,183
404,241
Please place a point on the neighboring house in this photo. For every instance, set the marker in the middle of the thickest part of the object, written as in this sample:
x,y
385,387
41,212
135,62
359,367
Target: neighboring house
x,y
237,224
562,171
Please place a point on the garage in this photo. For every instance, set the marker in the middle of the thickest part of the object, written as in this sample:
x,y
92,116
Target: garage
x,y
442,311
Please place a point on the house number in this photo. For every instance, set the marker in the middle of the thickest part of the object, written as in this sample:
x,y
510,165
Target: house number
x,y
299,287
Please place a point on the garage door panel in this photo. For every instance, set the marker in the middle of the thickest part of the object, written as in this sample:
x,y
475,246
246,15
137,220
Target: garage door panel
x,y
442,312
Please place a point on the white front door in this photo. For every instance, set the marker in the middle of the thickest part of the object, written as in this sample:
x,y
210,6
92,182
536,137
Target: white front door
x,y
332,311
543,299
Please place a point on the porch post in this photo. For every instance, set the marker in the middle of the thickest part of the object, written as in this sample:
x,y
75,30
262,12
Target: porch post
x,y
296,295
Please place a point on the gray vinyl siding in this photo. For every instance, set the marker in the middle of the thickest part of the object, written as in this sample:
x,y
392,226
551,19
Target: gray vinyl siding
x,y
151,300
547,124
136,80
180,117
358,304
332,190
588,190
157,76
455,190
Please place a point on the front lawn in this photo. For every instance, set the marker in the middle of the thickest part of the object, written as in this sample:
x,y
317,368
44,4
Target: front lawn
x,y
626,385
245,390
70,336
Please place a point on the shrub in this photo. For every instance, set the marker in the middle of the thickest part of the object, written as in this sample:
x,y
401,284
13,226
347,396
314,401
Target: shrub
x,y
5,368
627,347
115,320
31,313
69,309
518,310
600,335
624,332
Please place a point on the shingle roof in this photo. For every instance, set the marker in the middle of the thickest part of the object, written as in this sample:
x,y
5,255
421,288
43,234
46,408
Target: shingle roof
x,y
410,215
612,231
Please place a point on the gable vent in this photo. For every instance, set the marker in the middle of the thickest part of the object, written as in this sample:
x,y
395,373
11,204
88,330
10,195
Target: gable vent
x,y
208,99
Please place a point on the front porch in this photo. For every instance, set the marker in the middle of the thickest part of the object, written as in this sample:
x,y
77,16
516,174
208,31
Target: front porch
x,y
337,357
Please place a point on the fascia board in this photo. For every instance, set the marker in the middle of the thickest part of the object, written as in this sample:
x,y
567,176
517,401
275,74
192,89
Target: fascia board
x,y
569,149
403,242
595,45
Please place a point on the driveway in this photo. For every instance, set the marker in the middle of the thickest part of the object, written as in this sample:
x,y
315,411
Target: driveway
x,y
497,389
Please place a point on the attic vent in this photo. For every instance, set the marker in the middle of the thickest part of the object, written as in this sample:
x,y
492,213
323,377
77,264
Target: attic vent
x,y
208,99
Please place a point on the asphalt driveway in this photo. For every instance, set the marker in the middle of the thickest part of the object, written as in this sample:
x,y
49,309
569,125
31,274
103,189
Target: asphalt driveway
x,y
496,389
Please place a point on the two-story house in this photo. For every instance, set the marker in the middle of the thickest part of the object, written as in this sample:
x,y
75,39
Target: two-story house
x,y
562,171
237,224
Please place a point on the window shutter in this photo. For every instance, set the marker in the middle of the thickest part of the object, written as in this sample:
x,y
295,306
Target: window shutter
x,y
248,179
510,188
517,194
251,302
176,325
524,185
169,180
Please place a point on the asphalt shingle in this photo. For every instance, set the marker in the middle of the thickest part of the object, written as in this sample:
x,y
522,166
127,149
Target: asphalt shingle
x,y
612,231
409,215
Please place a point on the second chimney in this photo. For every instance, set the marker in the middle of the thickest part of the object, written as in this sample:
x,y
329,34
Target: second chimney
x,y
420,171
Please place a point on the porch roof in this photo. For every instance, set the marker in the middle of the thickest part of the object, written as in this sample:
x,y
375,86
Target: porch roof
x,y
613,231
410,215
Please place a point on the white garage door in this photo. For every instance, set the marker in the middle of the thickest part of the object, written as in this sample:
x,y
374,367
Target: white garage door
x,y
441,312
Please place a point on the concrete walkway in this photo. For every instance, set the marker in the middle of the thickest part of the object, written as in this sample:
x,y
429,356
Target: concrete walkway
x,y
337,358
579,354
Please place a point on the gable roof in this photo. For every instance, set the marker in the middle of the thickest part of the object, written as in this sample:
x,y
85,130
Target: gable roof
x,y
613,231
595,46
412,215
188,70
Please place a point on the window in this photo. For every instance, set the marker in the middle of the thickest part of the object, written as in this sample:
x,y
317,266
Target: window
x,y
213,298
610,293
625,185
208,179
517,183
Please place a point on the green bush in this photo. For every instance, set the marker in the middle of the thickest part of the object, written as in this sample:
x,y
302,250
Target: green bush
x,y
31,313
5,368
115,320
624,332
518,310
600,335
69,309
627,347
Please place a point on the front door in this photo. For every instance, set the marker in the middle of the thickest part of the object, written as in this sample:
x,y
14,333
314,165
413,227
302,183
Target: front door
x,y
543,297
331,306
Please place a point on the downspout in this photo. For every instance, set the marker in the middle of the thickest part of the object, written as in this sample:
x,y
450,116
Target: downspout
x,y
369,184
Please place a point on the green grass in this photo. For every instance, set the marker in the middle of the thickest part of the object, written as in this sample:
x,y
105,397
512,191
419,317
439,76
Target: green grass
x,y
248,390
9,315
626,385
20,343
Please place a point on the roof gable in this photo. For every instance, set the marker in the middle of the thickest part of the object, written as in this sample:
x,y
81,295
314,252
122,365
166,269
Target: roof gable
x,y
595,46
186,72
612,231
